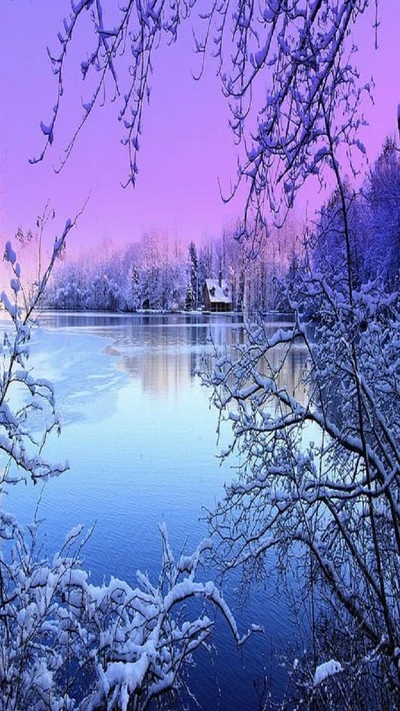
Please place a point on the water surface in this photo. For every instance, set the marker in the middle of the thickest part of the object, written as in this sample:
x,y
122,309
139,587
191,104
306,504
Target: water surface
x,y
141,440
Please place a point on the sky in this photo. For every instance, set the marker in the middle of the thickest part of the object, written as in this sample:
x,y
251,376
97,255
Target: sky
x,y
186,145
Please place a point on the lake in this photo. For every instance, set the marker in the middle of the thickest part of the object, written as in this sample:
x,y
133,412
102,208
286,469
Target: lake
x,y
140,437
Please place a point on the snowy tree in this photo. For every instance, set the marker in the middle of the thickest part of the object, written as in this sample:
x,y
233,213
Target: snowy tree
x,y
328,246
134,300
373,219
255,268
189,298
318,483
206,261
383,215
194,275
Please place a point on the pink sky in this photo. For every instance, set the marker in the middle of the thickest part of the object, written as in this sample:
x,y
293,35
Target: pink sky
x,y
186,144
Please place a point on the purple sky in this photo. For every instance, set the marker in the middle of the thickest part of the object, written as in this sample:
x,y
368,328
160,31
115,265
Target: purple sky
x,y
186,143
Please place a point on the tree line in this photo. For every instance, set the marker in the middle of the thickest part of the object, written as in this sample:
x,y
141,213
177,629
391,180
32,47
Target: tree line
x,y
160,273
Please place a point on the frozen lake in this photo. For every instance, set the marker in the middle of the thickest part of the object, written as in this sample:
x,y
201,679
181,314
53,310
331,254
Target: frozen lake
x,y
140,438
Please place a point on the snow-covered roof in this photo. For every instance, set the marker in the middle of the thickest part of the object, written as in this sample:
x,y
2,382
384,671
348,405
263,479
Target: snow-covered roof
x,y
222,293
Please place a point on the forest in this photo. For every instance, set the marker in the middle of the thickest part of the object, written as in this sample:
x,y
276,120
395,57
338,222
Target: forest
x,y
160,273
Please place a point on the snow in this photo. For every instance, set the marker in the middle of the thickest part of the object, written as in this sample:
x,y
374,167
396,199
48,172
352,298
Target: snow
x,y
11,308
323,671
74,533
9,254
220,293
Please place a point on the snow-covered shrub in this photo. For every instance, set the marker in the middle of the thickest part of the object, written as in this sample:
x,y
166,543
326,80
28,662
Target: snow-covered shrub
x,y
68,644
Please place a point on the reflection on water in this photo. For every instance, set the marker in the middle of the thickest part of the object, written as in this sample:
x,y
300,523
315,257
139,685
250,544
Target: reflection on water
x,y
175,352
287,366
141,440
163,352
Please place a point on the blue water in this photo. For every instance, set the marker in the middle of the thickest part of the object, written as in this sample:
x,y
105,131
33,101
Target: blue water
x,y
141,440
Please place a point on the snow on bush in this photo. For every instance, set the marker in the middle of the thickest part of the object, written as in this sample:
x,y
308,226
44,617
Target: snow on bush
x,y
323,671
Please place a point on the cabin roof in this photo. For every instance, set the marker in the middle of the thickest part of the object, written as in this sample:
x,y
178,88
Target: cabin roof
x,y
222,294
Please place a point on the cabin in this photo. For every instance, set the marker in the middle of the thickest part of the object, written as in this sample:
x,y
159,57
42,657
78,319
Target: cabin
x,y
217,295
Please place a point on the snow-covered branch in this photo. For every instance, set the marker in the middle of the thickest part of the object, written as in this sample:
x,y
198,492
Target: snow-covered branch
x,y
68,644
284,68
319,459
21,393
